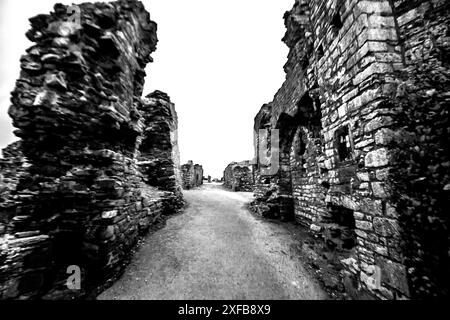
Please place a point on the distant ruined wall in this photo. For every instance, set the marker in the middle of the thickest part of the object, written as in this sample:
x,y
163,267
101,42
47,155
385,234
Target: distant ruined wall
x,y
77,107
159,156
198,174
192,175
356,130
238,176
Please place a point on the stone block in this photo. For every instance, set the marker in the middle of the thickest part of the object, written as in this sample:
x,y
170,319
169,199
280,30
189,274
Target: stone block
x,y
363,176
375,7
394,275
364,225
386,227
377,158
359,215
378,189
384,136
84,143
377,123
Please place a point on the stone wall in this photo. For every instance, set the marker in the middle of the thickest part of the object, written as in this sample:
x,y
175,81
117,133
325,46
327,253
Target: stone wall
x,y
238,176
13,168
336,114
192,175
77,107
159,155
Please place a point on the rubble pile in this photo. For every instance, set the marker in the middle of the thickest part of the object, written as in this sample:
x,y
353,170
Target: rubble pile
x,y
363,162
267,200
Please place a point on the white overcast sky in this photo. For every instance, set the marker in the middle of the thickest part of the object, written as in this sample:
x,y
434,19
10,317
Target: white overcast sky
x,y
219,61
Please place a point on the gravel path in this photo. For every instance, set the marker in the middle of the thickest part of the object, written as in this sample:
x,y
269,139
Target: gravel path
x,y
216,250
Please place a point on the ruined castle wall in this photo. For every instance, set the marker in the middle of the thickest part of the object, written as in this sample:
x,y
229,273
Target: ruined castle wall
x,y
420,147
358,76
187,175
77,108
335,114
239,176
192,175
159,157
198,169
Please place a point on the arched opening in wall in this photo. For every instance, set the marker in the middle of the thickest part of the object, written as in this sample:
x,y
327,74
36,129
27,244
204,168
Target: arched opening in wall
x,y
300,145
287,125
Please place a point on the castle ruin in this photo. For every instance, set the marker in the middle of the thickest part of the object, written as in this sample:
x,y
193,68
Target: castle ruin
x,y
92,147
238,176
360,119
192,175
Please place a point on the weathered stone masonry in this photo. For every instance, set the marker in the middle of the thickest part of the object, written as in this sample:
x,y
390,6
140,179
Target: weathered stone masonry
x,y
13,166
159,158
93,148
192,175
361,116
238,176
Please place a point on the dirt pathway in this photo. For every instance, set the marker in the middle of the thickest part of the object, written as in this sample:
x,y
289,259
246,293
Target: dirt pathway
x,y
216,250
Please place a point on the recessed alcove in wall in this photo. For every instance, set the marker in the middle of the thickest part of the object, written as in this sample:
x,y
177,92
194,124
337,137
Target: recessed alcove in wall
x,y
320,52
340,228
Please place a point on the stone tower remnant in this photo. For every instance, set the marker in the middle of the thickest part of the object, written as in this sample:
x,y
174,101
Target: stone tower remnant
x,y
103,162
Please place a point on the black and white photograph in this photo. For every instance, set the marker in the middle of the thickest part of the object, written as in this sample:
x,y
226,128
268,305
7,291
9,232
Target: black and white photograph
x,y
224,155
